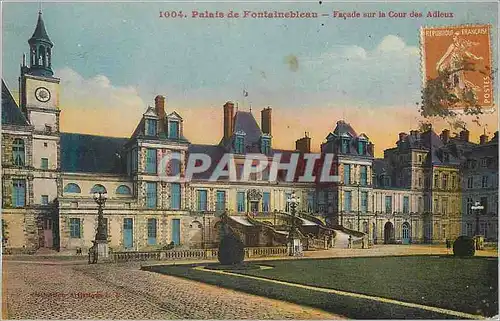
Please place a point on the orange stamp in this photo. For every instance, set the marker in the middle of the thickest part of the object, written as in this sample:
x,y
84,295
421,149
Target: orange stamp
x,y
457,66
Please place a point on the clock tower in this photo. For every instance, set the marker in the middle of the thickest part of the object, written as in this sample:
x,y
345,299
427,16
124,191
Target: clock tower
x,y
39,89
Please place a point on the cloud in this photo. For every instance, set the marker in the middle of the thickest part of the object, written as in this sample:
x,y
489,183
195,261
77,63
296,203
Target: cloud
x,y
96,92
386,75
96,106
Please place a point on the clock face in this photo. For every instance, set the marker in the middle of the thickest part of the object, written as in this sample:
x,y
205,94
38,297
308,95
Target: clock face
x,y
42,94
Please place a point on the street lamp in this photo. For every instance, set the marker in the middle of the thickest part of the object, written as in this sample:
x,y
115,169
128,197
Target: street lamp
x,y
295,243
478,208
101,239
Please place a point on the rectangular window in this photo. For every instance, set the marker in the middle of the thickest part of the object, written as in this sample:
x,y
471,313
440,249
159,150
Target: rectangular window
x,y
345,146
484,203
265,147
151,127
175,196
420,204
175,164
469,206
152,231
202,200
173,131
361,148
44,164
436,181
239,171
151,161
239,145
220,204
444,206
75,228
470,182
406,204
45,200
134,160
310,202
151,195
453,182
347,201
444,181
266,202
484,182
287,204
240,198
363,175
364,202
18,192
436,205
347,174
388,204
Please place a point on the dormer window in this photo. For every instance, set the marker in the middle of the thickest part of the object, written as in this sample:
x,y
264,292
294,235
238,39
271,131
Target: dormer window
x,y
239,143
151,127
265,145
345,146
361,147
173,129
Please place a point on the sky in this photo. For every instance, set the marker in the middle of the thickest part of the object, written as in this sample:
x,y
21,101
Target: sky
x,y
114,58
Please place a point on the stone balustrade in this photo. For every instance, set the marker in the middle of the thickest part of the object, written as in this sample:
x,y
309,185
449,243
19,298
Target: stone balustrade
x,y
194,254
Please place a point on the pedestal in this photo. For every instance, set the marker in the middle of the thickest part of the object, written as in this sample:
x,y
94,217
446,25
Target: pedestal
x,y
102,249
295,247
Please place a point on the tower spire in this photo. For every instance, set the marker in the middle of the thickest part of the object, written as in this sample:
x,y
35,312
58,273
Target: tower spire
x,y
40,50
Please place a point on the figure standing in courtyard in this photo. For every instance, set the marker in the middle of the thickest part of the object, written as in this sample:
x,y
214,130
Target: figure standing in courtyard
x,y
349,242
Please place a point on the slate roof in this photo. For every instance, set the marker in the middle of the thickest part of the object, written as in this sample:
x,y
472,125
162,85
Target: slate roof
x,y
215,152
244,121
11,114
344,129
91,154
40,33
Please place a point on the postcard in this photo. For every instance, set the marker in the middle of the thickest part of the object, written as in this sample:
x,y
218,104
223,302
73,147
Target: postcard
x,y
249,160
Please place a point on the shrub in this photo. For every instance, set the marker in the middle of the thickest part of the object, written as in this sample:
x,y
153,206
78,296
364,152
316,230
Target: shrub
x,y
231,250
464,246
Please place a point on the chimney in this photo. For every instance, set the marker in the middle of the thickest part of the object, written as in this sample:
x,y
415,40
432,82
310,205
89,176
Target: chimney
x,y
445,136
160,111
402,136
303,145
228,120
483,139
464,135
266,120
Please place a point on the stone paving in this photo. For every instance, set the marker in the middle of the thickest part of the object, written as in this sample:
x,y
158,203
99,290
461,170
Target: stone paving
x,y
72,289
122,291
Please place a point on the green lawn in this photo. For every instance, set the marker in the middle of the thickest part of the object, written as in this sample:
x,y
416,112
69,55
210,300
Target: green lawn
x,y
461,284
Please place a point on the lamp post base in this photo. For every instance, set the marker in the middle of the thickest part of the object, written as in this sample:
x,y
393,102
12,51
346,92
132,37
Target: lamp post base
x,y
295,247
102,249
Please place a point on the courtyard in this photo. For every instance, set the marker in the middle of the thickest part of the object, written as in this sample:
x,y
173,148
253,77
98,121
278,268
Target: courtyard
x,y
68,288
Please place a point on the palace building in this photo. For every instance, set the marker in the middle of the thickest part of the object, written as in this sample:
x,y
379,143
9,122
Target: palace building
x,y
419,192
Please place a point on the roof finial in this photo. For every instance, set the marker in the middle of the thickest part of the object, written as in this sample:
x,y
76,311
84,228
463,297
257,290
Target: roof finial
x,y
40,7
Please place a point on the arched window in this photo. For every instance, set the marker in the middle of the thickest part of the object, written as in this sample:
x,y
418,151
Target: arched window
x,y
98,188
18,152
72,188
123,190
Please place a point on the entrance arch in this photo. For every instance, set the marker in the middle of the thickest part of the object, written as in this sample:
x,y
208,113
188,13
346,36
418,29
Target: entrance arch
x,y
406,233
388,233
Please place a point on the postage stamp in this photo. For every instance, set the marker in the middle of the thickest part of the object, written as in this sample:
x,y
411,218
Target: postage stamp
x,y
460,58
242,159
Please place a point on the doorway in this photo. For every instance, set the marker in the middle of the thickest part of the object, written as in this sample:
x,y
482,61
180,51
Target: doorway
x,y
406,233
388,233
48,236
128,233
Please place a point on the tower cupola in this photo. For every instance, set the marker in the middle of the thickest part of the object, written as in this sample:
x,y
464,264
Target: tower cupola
x,y
40,51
